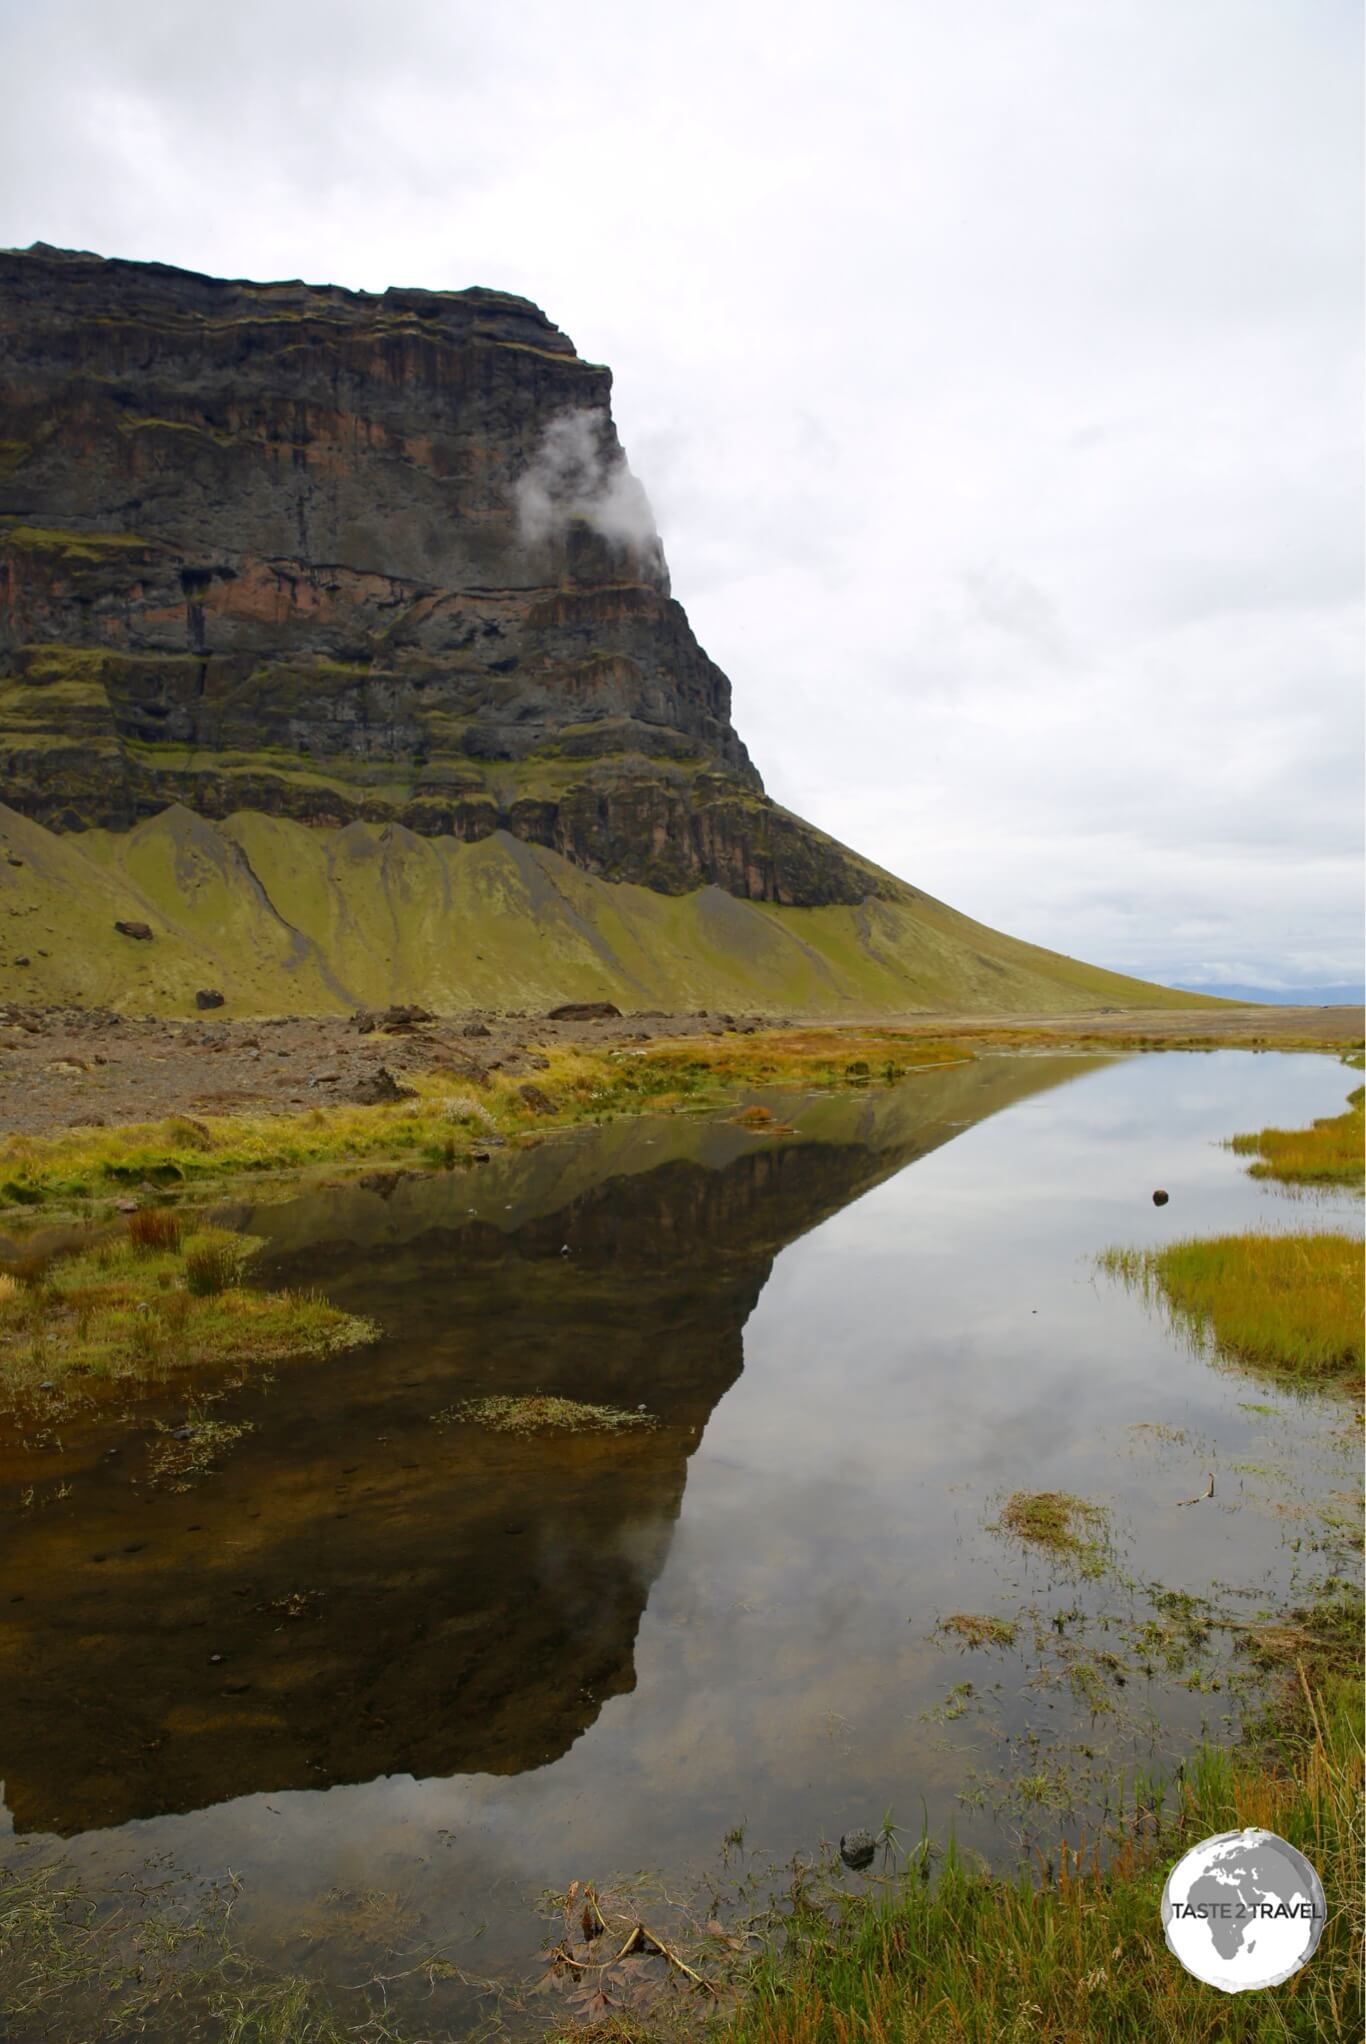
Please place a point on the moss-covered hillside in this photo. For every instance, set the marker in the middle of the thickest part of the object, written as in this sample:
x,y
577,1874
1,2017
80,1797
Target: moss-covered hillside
x,y
283,919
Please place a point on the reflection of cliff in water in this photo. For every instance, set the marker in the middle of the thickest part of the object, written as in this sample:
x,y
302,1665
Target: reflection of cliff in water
x,y
363,1589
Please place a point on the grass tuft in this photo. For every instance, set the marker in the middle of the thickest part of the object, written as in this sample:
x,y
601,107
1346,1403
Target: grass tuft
x,y
1070,1528
1328,1152
543,1415
1290,1304
155,1228
976,1631
213,1262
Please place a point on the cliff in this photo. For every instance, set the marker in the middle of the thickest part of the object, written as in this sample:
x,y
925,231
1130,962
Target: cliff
x,y
334,556
337,651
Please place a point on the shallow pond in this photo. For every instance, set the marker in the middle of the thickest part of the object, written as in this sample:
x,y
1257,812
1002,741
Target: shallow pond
x,y
402,1674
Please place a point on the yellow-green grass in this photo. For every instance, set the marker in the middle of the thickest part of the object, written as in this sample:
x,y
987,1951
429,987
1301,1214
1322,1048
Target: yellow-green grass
x,y
973,1629
1290,1304
1328,1152
1073,1951
292,920
448,1118
123,1315
1071,1529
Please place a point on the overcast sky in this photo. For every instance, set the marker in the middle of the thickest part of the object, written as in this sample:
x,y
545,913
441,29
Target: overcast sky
x,y
993,370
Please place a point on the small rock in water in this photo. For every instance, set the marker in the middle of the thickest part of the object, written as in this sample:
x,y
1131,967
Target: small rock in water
x,y
1160,1198
857,1849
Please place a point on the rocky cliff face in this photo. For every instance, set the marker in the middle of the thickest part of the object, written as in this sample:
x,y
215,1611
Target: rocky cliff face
x,y
335,556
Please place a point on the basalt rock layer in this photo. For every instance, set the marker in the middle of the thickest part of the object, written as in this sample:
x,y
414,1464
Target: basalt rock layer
x,y
334,557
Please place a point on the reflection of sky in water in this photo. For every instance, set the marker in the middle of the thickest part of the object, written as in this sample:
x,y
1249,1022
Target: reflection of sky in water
x,y
941,1341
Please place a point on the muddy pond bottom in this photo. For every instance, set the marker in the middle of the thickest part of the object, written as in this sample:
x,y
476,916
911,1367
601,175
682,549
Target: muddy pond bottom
x,y
402,1673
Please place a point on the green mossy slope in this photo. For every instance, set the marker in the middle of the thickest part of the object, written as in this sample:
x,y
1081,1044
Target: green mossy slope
x,y
285,919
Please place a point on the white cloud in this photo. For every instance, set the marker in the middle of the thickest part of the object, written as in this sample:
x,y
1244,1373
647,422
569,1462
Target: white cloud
x,y
579,474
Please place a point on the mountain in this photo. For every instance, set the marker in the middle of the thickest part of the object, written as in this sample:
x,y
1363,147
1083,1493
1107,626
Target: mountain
x,y
1349,995
337,646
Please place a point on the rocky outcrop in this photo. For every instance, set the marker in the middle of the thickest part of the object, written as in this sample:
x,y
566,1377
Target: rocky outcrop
x,y
336,556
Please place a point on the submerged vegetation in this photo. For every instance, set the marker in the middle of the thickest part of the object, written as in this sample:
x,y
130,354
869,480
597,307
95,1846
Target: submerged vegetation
x,y
540,1414
1288,1304
1328,1152
1070,1528
149,1302
974,1630
157,1967
1074,1950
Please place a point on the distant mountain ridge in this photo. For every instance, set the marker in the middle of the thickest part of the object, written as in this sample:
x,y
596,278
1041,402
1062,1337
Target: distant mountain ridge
x,y
325,613
1350,995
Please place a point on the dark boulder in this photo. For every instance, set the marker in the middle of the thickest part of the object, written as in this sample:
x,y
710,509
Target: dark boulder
x,y
585,1011
380,1089
208,997
536,1100
142,931
367,1020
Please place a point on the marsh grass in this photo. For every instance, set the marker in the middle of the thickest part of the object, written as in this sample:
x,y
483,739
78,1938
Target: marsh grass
x,y
435,1127
975,1631
1079,1955
1290,1304
1071,1529
159,1968
540,1414
213,1262
1072,1949
1328,1152
120,1314
155,1228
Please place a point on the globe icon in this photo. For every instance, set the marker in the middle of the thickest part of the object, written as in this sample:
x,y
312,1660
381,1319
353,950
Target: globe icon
x,y
1243,1910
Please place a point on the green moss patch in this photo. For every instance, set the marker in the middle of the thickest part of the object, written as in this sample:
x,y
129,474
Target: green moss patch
x,y
972,1630
126,1314
73,546
544,1415
1070,1528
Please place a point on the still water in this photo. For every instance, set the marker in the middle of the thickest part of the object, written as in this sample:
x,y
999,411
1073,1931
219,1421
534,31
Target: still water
x,y
402,1674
